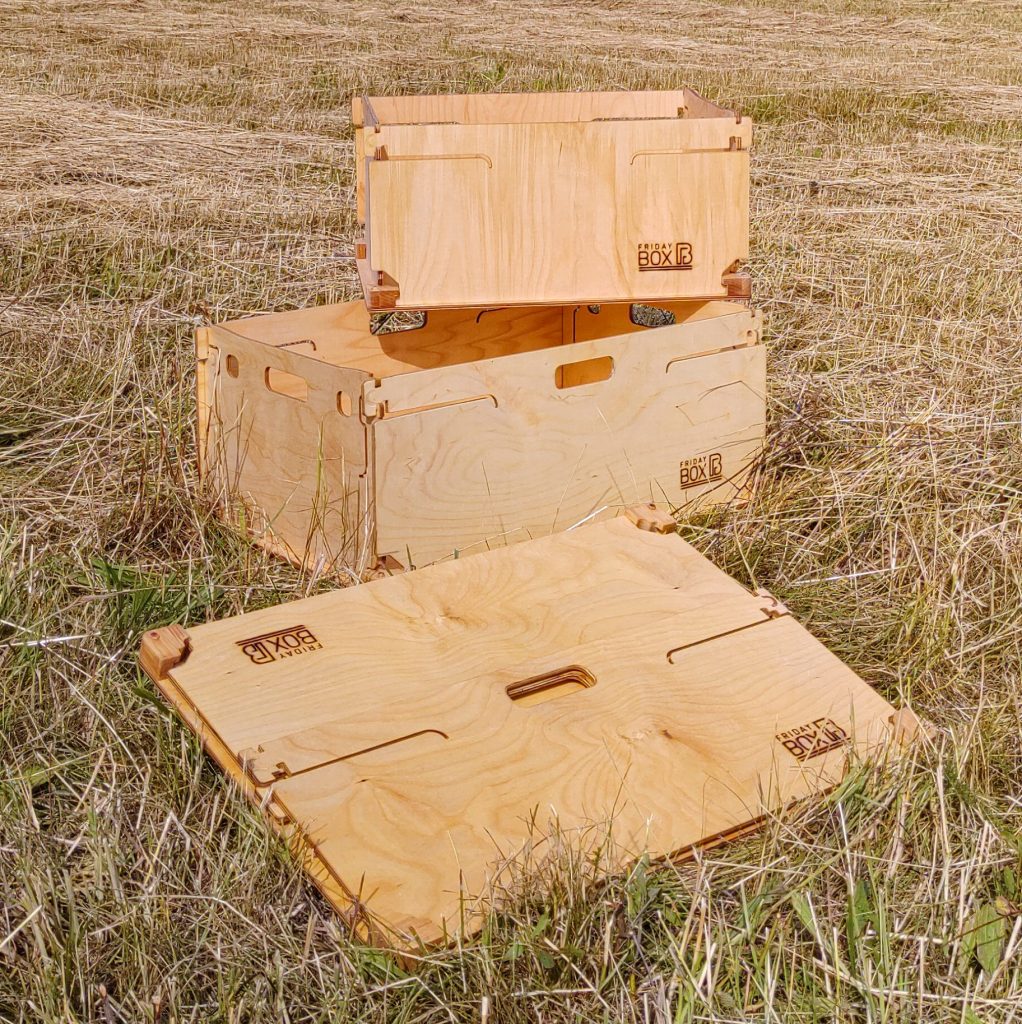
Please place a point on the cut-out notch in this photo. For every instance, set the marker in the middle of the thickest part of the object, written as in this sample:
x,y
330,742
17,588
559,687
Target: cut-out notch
x,y
396,322
643,315
550,685
280,382
588,371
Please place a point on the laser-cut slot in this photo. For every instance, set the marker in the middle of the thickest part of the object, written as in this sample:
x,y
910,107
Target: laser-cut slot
x,y
280,382
550,685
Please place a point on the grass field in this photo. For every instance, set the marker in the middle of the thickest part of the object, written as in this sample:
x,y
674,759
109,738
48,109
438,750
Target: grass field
x,y
164,164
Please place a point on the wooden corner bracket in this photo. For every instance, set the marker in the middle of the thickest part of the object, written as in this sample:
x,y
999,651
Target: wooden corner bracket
x,y
162,649
738,285
381,291
650,518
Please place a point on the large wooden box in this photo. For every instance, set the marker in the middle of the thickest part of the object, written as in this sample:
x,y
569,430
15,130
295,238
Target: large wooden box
x,y
419,737
331,443
550,198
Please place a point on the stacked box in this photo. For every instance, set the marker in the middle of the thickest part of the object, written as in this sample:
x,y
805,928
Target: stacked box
x,y
554,325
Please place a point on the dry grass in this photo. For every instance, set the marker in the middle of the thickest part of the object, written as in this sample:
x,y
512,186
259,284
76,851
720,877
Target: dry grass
x,y
165,163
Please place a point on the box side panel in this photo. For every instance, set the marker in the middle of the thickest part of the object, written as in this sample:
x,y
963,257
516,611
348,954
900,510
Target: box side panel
x,y
286,450
489,453
608,319
705,707
557,213
360,173
202,398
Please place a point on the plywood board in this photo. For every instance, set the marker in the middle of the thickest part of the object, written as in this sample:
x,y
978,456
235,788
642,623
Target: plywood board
x,y
495,451
470,201
340,335
378,724
288,464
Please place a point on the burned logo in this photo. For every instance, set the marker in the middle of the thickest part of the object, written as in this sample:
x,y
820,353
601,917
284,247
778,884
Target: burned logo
x,y
702,469
813,739
665,256
284,643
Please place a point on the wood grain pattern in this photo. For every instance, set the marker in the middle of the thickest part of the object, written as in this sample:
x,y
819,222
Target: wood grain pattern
x,y
549,198
468,432
292,473
494,451
391,743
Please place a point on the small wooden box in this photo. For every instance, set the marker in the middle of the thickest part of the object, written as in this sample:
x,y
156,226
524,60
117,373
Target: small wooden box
x,y
550,198
329,442
417,738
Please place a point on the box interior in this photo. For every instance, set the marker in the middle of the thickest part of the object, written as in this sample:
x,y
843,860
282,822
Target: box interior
x,y
386,345
525,108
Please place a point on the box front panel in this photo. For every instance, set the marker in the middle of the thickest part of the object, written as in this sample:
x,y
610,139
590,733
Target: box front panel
x,y
460,215
494,452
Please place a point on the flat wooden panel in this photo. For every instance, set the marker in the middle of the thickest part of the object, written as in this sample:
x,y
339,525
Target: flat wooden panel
x,y
463,215
291,471
479,454
411,773
521,108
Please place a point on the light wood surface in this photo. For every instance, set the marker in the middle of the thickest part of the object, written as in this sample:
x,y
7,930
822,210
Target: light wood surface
x,y
289,471
549,198
389,747
493,451
468,433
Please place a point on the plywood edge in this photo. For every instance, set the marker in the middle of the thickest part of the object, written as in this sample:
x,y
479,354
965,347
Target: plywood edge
x,y
390,289
202,402
536,107
738,285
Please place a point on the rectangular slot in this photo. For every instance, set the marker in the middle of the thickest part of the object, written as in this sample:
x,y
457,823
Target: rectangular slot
x,y
550,685
280,382
588,371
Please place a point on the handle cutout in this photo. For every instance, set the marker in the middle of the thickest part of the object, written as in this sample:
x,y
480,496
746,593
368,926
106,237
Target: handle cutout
x,y
280,382
550,685
232,366
588,371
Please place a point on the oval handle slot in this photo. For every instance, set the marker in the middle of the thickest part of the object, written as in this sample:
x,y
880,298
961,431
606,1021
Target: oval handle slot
x,y
280,382
550,685
588,371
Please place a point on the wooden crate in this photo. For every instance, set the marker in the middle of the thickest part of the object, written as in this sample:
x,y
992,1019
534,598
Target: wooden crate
x,y
416,738
329,442
550,198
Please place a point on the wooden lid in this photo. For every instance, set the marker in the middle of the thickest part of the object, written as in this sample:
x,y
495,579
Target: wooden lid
x,y
424,733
